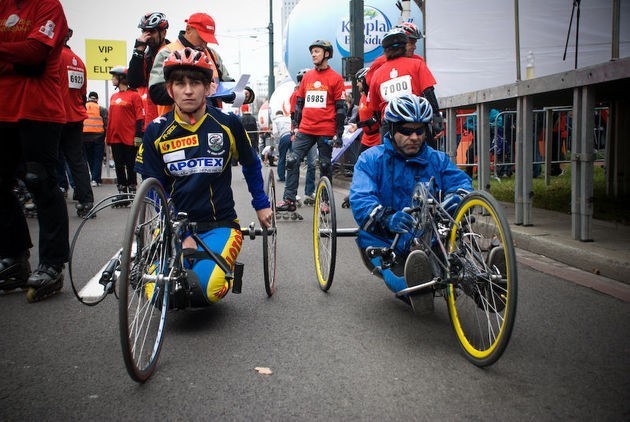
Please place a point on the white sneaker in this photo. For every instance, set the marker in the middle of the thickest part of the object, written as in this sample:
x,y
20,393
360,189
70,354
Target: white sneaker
x,y
93,183
418,271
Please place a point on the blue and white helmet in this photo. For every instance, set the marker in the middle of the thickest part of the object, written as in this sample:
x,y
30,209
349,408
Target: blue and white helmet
x,y
408,108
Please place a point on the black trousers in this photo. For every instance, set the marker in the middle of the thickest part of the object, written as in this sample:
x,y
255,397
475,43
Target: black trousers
x,y
71,146
32,147
124,162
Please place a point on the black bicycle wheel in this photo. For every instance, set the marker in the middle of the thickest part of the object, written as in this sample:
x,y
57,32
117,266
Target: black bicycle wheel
x,y
270,237
482,299
144,285
96,279
324,233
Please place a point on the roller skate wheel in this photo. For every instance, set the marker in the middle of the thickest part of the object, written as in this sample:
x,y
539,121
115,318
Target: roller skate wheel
x,y
285,216
293,216
31,295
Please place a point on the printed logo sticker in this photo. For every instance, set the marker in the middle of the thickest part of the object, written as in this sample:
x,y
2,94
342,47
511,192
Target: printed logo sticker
x,y
179,143
215,142
196,166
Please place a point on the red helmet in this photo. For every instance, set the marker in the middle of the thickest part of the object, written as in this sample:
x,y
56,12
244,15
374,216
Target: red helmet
x,y
153,20
187,58
411,29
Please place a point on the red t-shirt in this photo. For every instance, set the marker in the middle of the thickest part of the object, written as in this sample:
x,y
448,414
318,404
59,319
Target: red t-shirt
x,y
150,109
371,135
74,84
35,98
125,108
402,75
382,59
320,89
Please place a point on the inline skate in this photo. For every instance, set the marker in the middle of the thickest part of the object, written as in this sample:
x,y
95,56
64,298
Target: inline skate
x,y
14,272
84,209
45,281
286,209
123,199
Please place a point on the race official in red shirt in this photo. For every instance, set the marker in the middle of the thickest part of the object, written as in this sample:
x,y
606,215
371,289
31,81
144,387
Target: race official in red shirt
x,y
31,119
320,115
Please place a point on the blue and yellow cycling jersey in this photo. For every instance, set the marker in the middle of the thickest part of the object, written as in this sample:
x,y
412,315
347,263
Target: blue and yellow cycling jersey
x,y
193,163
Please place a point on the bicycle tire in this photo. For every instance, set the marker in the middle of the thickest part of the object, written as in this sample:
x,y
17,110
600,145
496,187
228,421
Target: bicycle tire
x,y
324,234
482,299
143,283
87,292
270,237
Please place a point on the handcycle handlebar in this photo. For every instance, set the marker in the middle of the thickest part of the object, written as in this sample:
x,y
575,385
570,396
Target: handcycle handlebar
x,y
387,253
182,223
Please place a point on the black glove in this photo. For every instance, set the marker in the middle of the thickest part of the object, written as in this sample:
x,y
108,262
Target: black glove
x,y
337,141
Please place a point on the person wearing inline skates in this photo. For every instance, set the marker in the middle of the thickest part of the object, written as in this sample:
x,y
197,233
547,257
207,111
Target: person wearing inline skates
x,y
311,156
124,133
190,150
319,114
74,86
382,186
31,120
366,121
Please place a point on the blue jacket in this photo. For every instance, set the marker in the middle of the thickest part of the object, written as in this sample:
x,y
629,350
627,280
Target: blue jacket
x,y
384,177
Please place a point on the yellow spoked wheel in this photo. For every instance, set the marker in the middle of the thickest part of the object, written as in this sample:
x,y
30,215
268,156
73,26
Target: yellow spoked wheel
x,y
324,233
481,294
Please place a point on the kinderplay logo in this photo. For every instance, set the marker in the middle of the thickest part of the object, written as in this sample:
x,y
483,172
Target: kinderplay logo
x,y
375,25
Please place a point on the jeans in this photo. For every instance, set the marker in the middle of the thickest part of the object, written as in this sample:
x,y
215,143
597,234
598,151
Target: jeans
x,y
284,146
94,145
309,184
301,146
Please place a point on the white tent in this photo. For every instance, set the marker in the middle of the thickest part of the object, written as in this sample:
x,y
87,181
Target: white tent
x,y
470,45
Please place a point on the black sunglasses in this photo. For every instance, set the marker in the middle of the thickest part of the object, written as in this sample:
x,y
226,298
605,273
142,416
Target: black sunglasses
x,y
407,131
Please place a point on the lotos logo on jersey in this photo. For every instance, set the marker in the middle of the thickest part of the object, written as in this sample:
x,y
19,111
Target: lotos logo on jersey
x,y
215,142
179,143
195,166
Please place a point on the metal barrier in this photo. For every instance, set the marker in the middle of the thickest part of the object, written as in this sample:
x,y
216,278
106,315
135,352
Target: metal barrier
x,y
551,135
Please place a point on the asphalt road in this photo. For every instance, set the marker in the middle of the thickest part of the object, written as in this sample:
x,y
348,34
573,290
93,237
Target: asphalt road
x,y
354,353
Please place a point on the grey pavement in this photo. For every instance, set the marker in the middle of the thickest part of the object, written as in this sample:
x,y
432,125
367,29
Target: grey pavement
x,y
550,235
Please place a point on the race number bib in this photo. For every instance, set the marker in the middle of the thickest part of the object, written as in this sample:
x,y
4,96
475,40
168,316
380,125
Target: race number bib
x,y
396,87
75,79
315,99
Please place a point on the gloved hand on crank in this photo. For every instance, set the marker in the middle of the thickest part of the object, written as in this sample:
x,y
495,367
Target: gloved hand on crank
x,y
400,222
452,200
337,141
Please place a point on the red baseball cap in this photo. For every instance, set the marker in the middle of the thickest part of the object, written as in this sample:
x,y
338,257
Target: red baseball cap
x,y
204,24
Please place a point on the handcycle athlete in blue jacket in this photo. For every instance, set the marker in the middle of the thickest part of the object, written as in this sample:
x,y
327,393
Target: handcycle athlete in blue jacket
x,y
382,186
190,150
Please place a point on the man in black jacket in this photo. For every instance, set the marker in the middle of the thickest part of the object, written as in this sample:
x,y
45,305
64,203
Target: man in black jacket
x,y
151,40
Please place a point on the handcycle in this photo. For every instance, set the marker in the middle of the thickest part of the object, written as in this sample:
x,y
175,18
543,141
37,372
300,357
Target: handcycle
x,y
147,273
471,254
